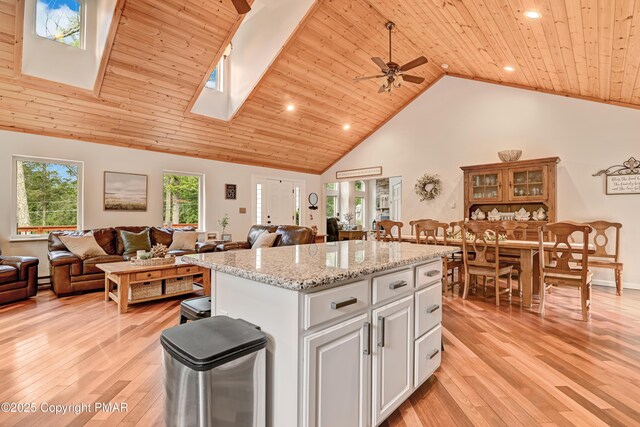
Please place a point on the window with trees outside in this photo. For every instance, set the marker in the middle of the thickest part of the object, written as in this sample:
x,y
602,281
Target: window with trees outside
x,y
48,196
331,200
60,21
359,210
182,200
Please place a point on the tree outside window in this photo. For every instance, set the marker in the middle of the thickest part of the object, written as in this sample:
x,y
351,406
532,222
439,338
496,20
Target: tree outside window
x,y
60,21
181,200
46,196
359,185
332,205
359,210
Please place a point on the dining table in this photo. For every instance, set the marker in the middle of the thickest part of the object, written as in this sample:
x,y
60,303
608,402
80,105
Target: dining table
x,y
528,253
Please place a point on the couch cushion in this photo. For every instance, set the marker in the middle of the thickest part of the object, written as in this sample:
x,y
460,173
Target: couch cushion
x,y
89,265
293,235
161,235
83,246
264,240
184,240
8,274
106,238
135,241
132,229
257,230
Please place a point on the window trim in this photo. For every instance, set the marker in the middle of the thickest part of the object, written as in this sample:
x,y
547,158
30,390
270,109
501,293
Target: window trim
x,y
332,193
201,195
14,236
83,19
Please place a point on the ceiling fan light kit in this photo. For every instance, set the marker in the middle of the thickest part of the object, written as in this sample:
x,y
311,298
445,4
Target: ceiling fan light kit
x,y
393,74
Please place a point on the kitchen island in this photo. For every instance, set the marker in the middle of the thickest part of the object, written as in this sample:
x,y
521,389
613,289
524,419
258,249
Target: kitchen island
x,y
354,326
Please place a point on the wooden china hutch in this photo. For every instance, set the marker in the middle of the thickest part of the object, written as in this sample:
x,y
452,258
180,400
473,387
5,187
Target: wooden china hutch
x,y
509,187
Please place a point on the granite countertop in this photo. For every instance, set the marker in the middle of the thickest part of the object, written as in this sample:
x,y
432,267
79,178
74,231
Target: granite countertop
x,y
309,266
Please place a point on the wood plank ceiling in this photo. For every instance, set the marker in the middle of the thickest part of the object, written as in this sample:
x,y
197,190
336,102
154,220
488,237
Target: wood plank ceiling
x,y
163,49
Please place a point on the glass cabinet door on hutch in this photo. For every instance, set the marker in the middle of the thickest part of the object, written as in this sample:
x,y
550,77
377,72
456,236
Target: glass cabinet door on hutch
x,y
528,183
485,186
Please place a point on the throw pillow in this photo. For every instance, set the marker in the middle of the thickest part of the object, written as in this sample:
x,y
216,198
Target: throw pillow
x,y
265,240
184,241
83,246
134,242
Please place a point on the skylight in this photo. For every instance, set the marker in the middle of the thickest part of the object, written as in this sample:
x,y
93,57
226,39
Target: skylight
x,y
215,79
60,21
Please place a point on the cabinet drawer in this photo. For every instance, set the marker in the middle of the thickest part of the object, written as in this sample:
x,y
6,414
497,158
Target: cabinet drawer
x,y
323,306
428,308
427,355
146,275
186,270
429,273
389,285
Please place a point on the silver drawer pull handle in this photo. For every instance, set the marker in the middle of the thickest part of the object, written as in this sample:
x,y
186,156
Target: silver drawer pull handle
x,y
367,339
432,273
398,284
341,304
433,354
433,308
380,331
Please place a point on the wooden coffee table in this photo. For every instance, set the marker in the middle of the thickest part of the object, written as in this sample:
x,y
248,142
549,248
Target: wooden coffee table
x,y
123,274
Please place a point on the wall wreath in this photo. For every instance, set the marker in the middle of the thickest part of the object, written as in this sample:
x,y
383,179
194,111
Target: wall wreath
x,y
428,187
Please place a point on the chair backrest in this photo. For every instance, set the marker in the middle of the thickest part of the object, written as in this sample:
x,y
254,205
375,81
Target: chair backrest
x,y
600,239
481,239
387,229
514,230
456,228
431,230
563,258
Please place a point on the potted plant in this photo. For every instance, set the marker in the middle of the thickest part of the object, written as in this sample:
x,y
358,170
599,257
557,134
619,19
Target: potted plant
x,y
348,217
224,223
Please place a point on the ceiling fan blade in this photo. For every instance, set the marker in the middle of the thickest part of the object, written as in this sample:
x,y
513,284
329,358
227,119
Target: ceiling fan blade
x,y
415,63
412,79
358,79
380,63
242,6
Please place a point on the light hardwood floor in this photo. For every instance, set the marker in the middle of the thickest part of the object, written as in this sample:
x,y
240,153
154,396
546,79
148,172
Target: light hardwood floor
x,y
502,366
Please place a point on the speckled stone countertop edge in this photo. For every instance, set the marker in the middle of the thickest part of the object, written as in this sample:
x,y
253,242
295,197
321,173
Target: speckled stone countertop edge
x,y
323,280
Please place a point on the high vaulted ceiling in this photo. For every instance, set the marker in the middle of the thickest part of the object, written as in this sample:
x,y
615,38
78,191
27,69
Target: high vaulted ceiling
x,y
161,51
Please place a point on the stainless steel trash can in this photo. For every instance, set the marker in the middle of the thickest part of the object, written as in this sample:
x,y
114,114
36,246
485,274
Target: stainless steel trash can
x,y
214,374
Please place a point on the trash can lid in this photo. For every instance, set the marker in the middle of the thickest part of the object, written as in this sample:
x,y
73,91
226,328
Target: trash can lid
x,y
207,343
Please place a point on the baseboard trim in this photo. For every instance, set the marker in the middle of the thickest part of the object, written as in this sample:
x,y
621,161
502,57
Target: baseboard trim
x,y
612,284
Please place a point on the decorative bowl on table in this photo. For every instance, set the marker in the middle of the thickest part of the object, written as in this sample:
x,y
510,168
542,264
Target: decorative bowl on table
x,y
509,155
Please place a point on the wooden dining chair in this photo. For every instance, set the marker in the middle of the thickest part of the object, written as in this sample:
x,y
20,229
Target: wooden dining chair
x,y
565,265
387,230
514,230
435,233
604,257
482,240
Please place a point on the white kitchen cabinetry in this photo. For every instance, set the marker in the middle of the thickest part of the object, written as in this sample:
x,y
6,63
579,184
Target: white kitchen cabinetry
x,y
392,380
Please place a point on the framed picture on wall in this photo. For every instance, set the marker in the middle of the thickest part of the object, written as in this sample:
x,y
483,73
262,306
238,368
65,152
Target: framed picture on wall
x,y
125,192
230,191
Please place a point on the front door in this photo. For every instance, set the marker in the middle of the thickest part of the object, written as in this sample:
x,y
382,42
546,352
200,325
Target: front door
x,y
280,202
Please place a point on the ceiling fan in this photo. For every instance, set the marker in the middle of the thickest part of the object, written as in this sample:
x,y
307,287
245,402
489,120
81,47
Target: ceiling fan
x,y
394,73
242,6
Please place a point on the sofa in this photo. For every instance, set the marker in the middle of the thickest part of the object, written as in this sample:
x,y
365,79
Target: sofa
x,y
288,235
70,274
18,278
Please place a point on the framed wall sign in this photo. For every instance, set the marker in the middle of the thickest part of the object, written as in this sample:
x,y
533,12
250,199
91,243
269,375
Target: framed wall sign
x,y
357,173
230,191
622,179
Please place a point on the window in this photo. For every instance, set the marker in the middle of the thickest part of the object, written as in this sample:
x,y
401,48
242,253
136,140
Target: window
x,y
215,79
297,197
60,21
359,210
47,196
359,185
182,200
332,194
258,203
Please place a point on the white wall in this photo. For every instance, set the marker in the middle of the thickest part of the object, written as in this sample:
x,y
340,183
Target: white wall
x,y
460,122
98,158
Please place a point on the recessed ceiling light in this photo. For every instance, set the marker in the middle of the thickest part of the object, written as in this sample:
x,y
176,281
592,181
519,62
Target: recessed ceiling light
x,y
346,126
508,68
291,107
533,14
445,66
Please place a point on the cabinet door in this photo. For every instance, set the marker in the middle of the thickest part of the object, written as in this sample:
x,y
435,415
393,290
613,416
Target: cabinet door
x,y
485,186
528,184
337,367
392,357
